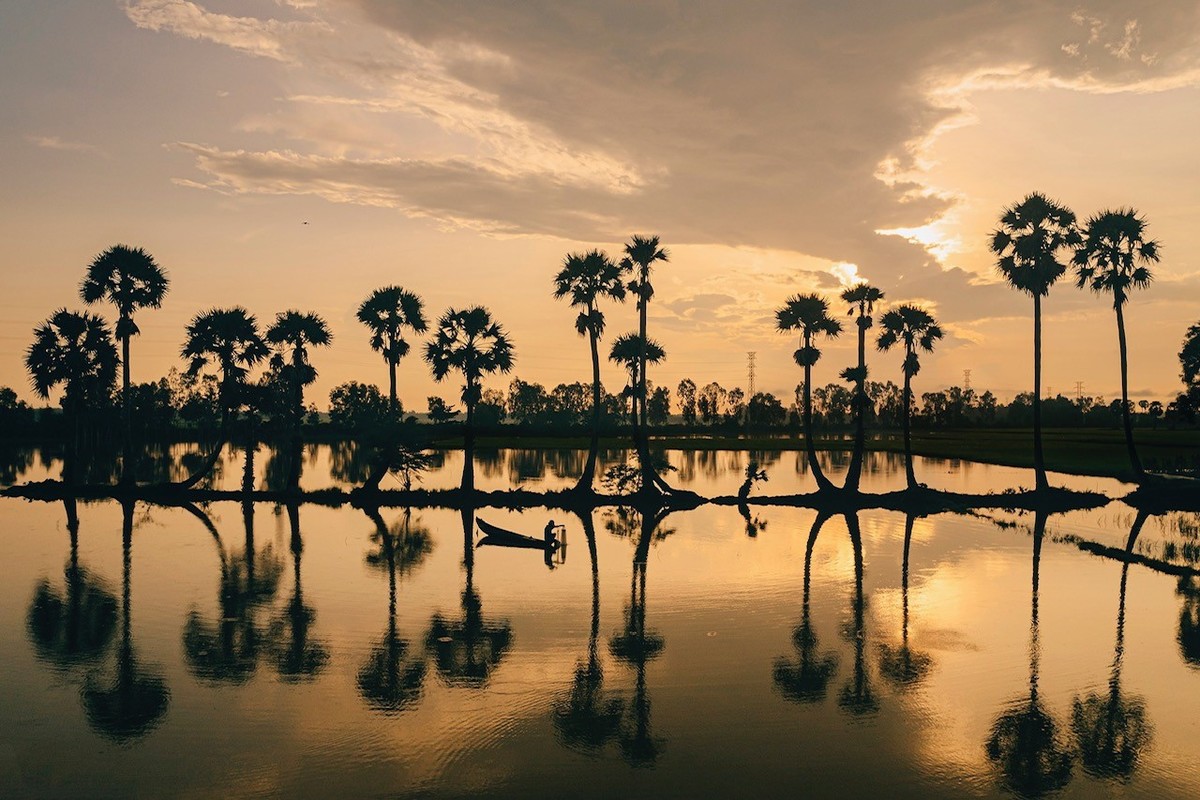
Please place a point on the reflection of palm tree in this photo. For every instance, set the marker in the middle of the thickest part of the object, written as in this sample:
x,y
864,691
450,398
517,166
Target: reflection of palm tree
x,y
73,628
297,655
809,314
902,665
1189,621
1030,236
1112,732
636,646
1024,742
387,681
227,650
806,680
468,649
137,698
588,718
857,696
918,330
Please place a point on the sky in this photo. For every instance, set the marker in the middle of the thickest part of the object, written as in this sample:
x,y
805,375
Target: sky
x,y
282,154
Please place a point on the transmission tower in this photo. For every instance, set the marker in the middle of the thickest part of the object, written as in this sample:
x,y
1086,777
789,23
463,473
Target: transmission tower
x,y
966,380
750,356
1079,393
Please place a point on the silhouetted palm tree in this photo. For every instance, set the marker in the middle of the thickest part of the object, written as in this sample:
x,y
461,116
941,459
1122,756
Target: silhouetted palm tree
x,y
389,681
229,337
387,312
918,330
902,665
806,680
1112,732
137,697
1028,242
129,278
472,343
862,299
640,255
294,333
587,279
1024,742
1115,257
1189,356
809,314
630,351
76,351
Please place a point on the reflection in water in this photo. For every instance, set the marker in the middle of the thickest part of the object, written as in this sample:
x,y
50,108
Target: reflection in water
x,y
1024,742
1112,732
297,655
391,678
636,646
227,649
466,650
73,628
806,679
128,701
588,717
1189,621
903,666
857,697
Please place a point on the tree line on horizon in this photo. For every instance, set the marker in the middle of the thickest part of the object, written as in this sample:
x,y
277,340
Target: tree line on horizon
x,y
224,346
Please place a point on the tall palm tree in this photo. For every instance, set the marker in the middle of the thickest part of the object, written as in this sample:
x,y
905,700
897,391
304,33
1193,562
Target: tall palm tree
x,y
76,351
1115,257
387,312
631,351
1028,242
918,330
129,278
809,314
230,338
588,278
640,255
862,298
293,333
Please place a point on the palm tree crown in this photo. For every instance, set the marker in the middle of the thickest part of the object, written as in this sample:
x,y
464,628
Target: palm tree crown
x,y
228,336
808,314
627,350
127,277
77,351
471,342
587,278
1114,255
294,332
1030,236
387,312
862,298
913,326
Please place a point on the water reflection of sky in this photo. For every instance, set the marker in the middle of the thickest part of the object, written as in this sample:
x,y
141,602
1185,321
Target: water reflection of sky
x,y
680,674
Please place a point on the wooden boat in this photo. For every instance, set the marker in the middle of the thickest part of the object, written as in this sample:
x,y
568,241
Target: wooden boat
x,y
495,535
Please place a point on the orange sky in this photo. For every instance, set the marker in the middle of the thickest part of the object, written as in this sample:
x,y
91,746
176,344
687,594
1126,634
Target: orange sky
x,y
461,152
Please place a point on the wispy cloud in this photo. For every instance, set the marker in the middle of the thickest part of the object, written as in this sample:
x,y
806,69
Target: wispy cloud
x,y
58,143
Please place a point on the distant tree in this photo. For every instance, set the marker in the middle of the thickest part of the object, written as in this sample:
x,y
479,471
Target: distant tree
x,y
130,279
359,405
917,330
528,403
1189,356
587,279
659,407
736,400
1028,242
862,298
687,400
470,342
440,411
570,403
387,312
1115,257
711,402
765,410
809,314
77,352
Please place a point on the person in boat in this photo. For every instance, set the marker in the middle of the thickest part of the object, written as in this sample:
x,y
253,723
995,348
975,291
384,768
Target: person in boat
x,y
550,535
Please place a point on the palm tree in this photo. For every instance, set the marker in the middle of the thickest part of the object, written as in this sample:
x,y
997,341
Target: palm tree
x,y
1115,257
640,254
862,299
630,350
387,312
230,338
470,342
809,314
588,278
76,351
1028,242
917,329
293,333
129,278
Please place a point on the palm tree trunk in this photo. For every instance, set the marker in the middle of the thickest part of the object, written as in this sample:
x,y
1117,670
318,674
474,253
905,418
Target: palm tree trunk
x,y
393,399
126,419
589,470
823,483
860,397
641,388
1039,462
1126,417
909,474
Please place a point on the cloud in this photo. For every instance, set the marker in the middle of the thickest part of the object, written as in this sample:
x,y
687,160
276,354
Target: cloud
x,y
58,143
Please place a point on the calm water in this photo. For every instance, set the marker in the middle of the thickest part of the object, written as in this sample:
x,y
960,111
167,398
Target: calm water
x,y
264,651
